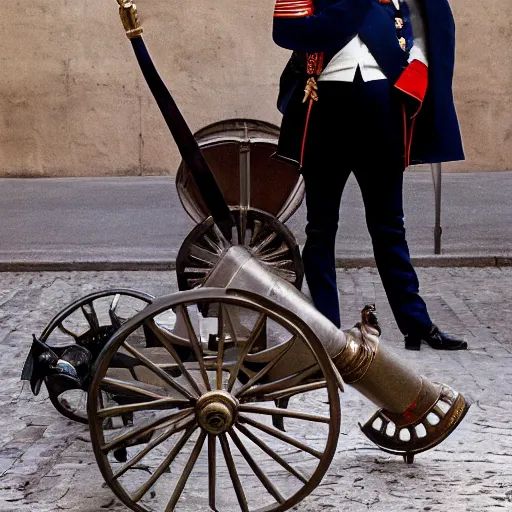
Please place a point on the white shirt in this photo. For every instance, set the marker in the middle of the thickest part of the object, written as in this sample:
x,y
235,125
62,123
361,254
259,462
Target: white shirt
x,y
343,66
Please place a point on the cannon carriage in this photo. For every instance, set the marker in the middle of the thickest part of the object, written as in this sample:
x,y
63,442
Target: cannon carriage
x,y
227,393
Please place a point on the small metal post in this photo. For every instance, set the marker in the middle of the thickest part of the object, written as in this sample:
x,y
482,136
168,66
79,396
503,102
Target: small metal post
x,y
438,230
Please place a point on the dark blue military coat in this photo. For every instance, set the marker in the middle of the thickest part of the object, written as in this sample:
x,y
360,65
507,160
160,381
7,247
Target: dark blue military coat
x,y
335,22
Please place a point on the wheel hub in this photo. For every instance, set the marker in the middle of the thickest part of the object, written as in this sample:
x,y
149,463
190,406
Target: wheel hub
x,y
216,412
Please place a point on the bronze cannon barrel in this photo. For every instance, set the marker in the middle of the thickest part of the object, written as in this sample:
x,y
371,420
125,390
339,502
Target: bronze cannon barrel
x,y
381,377
405,398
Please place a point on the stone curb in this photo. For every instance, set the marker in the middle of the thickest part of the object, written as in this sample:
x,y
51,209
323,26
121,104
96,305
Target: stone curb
x,y
165,265
455,260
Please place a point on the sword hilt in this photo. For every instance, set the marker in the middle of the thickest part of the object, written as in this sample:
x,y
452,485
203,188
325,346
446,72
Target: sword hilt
x,y
187,144
130,18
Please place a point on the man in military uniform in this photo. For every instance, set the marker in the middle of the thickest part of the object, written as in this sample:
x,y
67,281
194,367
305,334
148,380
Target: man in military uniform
x,y
368,90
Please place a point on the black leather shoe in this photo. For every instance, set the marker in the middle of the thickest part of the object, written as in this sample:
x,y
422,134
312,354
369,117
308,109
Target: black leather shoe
x,y
437,339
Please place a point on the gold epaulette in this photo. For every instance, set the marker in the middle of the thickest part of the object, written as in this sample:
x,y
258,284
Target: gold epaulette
x,y
293,8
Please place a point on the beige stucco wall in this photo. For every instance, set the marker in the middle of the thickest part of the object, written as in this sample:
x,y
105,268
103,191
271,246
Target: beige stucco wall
x,y
73,102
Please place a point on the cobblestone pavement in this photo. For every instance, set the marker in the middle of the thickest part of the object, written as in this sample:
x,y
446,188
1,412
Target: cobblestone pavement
x,y
46,461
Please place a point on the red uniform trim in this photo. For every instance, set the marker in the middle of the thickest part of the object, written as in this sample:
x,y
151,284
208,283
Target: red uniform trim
x,y
293,8
305,134
414,82
404,119
315,63
302,9
408,136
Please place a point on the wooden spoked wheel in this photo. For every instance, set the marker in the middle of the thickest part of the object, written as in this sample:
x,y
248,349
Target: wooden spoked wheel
x,y
242,413
264,236
89,323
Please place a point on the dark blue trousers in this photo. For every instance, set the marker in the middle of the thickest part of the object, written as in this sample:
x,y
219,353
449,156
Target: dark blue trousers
x,y
357,127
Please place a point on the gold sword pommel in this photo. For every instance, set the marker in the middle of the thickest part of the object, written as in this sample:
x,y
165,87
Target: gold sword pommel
x,y
130,19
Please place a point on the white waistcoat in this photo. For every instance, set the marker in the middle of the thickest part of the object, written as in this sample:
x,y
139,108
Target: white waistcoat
x,y
343,66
